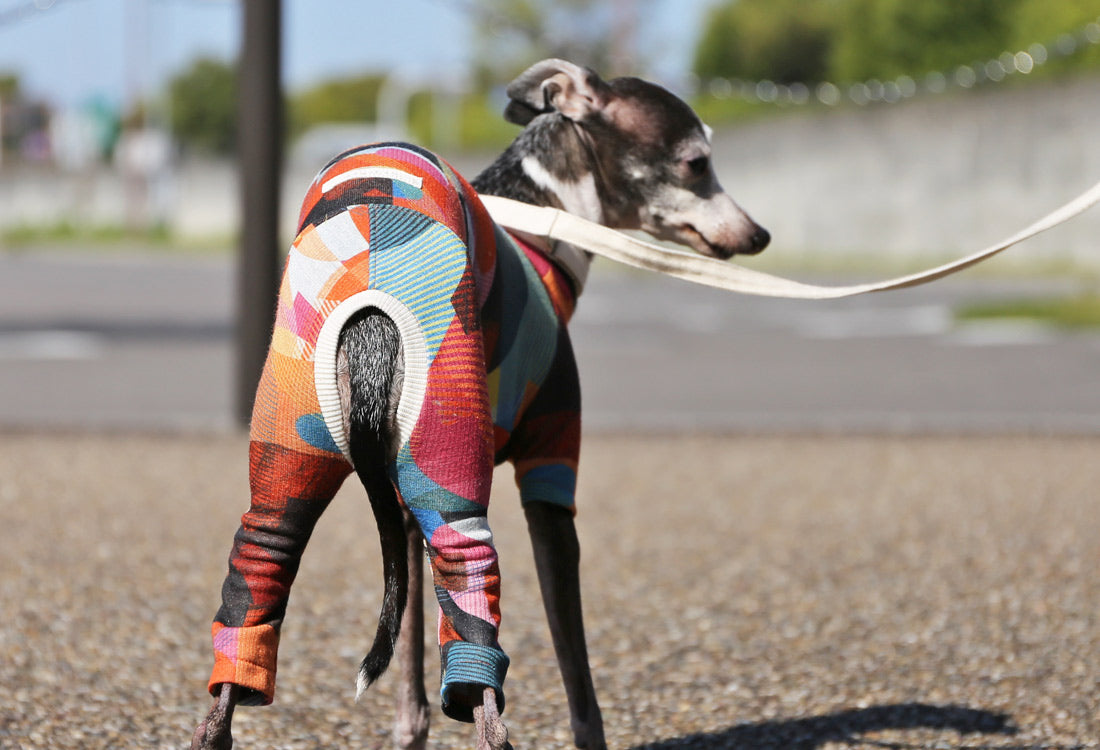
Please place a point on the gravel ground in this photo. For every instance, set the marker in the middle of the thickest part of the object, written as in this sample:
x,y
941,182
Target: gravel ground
x,y
741,592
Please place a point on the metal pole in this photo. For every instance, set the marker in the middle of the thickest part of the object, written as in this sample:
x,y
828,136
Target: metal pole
x,y
259,144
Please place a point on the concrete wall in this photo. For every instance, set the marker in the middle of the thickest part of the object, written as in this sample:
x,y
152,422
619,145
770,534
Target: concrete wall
x,y
930,177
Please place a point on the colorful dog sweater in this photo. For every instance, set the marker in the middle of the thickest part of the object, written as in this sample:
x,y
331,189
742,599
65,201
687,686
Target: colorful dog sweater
x,y
489,375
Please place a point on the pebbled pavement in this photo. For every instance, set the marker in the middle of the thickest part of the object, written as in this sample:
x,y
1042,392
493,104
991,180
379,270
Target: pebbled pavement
x,y
741,592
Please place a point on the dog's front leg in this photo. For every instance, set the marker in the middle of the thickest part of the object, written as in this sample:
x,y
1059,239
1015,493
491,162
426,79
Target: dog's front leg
x,y
214,733
410,730
557,561
491,732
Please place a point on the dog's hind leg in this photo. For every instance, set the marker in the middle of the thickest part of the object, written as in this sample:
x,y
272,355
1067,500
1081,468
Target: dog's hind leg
x,y
410,730
292,481
492,734
369,375
557,559
215,731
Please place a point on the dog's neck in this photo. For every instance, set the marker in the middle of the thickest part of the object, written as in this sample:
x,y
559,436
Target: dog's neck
x,y
577,195
548,165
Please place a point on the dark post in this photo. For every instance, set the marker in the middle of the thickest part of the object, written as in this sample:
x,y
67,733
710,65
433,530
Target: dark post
x,y
259,144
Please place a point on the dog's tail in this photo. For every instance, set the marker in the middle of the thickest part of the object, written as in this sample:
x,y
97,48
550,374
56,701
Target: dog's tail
x,y
372,345
391,532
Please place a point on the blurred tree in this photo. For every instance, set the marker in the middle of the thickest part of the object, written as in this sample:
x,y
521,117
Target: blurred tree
x,y
421,104
512,34
9,86
855,40
889,38
780,40
204,106
1044,21
9,94
339,100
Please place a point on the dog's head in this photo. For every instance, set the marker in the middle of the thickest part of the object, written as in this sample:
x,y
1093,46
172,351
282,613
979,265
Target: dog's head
x,y
646,151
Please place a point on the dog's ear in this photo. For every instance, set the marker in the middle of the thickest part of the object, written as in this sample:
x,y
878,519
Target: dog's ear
x,y
520,113
555,85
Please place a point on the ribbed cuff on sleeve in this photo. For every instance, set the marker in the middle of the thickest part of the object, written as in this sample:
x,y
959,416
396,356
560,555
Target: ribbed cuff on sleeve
x,y
471,664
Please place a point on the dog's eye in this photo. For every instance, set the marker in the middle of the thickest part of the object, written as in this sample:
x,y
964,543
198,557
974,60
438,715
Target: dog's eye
x,y
698,166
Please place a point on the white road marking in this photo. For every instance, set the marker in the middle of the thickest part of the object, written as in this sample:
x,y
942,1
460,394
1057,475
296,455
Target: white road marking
x,y
51,345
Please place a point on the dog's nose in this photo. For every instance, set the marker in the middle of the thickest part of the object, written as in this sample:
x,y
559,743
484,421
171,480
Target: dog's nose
x,y
760,239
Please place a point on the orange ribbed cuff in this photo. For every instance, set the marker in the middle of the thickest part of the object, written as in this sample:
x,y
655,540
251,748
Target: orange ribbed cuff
x,y
245,657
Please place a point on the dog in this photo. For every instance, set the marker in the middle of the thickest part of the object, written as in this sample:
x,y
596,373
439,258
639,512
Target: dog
x,y
417,344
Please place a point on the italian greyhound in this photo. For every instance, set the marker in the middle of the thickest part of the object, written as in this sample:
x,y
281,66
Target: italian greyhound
x,y
363,376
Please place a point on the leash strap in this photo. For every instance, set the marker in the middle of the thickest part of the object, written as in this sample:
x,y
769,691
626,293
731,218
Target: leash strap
x,y
552,225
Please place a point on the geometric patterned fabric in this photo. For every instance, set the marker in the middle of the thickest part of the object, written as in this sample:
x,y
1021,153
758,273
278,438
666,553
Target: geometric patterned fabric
x,y
497,382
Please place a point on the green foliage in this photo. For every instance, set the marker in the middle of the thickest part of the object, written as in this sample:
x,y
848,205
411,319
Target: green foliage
x,y
339,100
1066,312
856,40
66,233
9,86
482,124
9,92
421,109
204,106
472,122
888,38
712,109
1044,21
511,34
780,40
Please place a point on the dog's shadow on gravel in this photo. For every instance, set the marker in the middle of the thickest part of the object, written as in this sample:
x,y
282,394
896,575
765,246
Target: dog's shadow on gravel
x,y
845,727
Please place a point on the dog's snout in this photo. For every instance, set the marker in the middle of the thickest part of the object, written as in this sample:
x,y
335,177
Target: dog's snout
x,y
760,239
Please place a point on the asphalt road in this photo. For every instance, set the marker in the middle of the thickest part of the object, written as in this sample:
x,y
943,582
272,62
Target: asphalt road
x,y
136,341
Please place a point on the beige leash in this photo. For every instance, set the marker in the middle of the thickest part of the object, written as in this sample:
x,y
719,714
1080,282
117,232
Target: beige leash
x,y
555,225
